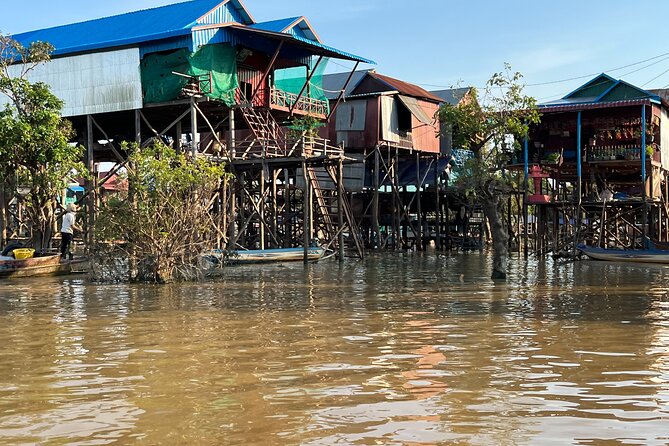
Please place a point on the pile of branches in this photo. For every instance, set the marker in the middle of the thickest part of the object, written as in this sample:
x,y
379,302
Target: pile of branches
x,y
158,232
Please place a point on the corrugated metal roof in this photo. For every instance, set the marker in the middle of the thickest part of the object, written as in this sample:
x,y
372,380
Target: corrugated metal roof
x,y
416,110
296,42
278,26
404,87
298,26
333,83
564,107
452,96
125,29
602,89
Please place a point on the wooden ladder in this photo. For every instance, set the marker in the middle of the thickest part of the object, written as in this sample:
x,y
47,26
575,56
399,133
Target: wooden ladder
x,y
264,127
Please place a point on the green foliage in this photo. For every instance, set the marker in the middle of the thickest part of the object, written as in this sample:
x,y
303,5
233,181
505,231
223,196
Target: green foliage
x,y
650,150
306,126
35,153
484,124
164,223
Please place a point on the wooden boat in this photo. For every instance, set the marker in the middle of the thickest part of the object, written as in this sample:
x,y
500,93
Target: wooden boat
x,y
626,255
40,266
266,255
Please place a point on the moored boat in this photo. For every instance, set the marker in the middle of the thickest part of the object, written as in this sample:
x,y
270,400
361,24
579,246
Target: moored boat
x,y
626,255
266,255
40,266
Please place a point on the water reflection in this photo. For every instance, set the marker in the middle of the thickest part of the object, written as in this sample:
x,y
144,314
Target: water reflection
x,y
404,350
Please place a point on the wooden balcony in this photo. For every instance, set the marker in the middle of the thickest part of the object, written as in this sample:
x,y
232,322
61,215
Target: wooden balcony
x,y
308,147
285,101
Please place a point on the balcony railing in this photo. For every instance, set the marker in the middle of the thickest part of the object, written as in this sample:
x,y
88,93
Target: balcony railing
x,y
286,101
308,147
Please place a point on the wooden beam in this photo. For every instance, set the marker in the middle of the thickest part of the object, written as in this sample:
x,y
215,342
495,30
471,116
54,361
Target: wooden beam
x,y
343,91
266,73
91,121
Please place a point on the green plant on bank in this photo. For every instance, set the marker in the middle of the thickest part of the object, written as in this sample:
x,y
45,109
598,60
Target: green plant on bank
x,y
484,123
165,222
306,126
36,158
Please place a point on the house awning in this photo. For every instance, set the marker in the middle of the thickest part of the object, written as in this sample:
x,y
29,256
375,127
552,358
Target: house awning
x,y
416,110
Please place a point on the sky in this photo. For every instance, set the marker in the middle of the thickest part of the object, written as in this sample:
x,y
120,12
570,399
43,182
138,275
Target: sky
x,y
443,43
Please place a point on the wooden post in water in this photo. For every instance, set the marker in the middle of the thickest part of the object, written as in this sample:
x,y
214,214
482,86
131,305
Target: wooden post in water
x,y
275,213
419,208
232,217
644,223
261,205
287,209
375,198
340,208
90,184
397,204
438,204
306,199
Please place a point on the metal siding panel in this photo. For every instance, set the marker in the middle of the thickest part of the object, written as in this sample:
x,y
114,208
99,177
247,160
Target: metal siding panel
x,y
351,116
165,45
223,14
92,83
210,36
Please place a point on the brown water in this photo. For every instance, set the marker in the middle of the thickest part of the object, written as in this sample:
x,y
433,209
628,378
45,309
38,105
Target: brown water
x,y
395,350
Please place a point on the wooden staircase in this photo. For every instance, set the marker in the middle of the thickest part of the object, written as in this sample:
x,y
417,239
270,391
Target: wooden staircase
x,y
268,138
326,215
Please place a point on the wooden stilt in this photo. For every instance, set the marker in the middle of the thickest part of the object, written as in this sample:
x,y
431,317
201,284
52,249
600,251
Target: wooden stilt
x,y
195,135
419,209
437,191
376,230
261,206
306,212
340,209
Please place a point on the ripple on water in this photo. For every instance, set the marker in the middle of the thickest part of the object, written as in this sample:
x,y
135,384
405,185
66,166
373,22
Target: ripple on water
x,y
393,350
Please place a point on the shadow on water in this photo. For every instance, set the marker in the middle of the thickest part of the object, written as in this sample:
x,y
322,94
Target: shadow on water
x,y
405,349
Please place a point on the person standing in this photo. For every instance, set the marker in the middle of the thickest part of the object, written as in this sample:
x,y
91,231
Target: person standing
x,y
67,230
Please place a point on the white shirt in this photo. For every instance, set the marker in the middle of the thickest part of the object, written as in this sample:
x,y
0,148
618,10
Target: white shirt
x,y
68,222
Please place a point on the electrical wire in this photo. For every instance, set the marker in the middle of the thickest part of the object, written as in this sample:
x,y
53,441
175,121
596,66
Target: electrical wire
x,y
656,77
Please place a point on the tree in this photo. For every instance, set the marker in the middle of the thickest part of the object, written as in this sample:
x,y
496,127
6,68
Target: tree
x,y
35,154
166,223
486,125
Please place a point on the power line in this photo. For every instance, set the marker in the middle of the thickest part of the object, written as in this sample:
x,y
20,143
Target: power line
x,y
659,75
605,71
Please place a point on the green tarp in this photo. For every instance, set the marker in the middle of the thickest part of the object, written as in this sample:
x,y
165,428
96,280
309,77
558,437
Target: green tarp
x,y
292,80
161,85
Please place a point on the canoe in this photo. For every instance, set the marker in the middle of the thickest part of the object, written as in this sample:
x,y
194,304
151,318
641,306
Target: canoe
x,y
40,266
266,255
626,255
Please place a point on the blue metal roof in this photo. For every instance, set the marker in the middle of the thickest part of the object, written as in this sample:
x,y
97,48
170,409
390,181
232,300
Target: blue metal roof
x,y
167,27
276,26
335,51
125,29
298,26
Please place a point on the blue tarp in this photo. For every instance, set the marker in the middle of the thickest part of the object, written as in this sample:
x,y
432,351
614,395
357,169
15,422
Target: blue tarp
x,y
407,175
